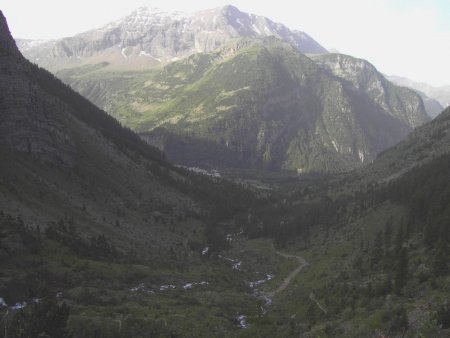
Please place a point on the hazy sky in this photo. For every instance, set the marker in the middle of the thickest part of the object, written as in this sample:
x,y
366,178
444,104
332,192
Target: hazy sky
x,y
403,37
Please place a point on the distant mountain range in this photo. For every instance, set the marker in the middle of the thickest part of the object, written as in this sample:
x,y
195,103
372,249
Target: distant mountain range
x,y
440,94
226,88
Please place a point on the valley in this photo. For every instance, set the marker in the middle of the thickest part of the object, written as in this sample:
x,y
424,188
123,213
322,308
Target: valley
x,y
233,180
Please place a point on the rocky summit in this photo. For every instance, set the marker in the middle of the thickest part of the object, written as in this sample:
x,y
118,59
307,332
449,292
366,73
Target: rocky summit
x,y
150,37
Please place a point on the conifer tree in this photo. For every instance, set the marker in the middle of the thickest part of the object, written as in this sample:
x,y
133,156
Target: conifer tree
x,y
377,250
440,259
401,270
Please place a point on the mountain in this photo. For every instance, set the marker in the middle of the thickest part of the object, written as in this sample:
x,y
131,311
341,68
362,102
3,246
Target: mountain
x,y
96,225
258,103
440,94
150,37
395,101
168,76
340,66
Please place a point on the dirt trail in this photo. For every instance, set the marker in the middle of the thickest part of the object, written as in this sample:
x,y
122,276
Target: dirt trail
x,y
301,264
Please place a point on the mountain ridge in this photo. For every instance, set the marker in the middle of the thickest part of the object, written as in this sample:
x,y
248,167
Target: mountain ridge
x,y
438,93
150,37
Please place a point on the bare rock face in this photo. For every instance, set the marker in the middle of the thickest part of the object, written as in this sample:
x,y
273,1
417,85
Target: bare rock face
x,y
29,117
150,37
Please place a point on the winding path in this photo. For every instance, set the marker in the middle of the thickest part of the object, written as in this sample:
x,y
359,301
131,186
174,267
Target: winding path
x,y
301,264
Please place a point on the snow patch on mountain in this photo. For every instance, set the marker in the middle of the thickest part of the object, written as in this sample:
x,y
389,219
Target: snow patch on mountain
x,y
256,29
123,53
144,53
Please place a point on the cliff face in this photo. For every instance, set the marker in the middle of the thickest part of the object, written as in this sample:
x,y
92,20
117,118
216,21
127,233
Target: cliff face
x,y
30,120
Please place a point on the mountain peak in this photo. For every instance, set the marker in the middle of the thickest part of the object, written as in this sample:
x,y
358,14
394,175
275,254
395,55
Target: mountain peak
x,y
146,11
150,37
230,9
